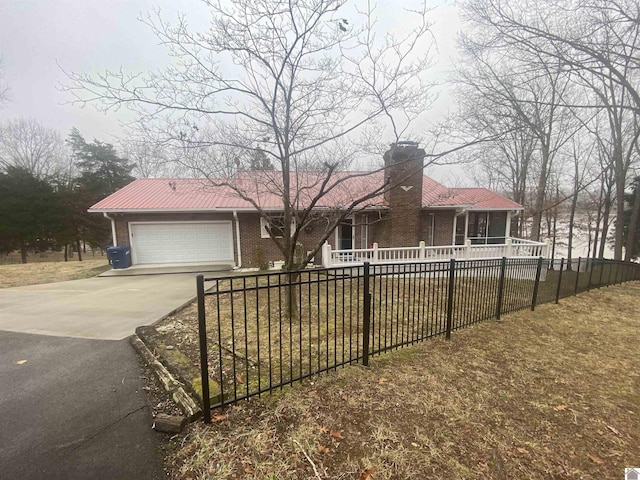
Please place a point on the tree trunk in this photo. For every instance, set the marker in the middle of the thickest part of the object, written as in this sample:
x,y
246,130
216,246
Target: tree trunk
x,y
619,222
572,219
598,220
66,252
633,225
291,295
23,251
540,194
605,227
78,249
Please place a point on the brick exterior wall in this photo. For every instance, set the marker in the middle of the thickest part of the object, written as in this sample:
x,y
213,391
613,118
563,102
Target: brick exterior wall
x,y
256,251
442,235
404,169
443,226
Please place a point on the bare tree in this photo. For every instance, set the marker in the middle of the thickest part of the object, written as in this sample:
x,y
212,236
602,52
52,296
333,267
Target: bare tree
x,y
293,87
582,152
151,159
521,94
27,144
599,46
5,91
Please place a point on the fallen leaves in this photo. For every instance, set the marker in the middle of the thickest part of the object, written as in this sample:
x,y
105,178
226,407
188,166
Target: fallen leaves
x,y
337,434
560,408
323,449
21,362
596,459
367,474
381,381
219,417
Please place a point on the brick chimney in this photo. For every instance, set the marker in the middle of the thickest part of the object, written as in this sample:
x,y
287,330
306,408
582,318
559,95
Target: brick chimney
x,y
403,169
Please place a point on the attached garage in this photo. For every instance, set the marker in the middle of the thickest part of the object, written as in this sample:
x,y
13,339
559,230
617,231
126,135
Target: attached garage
x,y
181,242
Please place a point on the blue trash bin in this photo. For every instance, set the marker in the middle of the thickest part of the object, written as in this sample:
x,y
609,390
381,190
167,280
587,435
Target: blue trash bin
x,y
120,257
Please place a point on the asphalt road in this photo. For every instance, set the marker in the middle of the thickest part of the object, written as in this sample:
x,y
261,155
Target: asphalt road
x,y
74,409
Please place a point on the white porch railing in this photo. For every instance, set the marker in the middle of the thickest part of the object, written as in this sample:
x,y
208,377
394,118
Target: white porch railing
x,y
513,247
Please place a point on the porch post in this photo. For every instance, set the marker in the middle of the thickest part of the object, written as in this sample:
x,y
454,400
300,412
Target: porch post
x,y
455,226
326,255
375,253
467,248
466,225
422,254
507,227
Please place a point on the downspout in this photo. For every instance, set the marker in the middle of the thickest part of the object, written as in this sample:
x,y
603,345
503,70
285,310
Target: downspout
x,y
113,228
237,222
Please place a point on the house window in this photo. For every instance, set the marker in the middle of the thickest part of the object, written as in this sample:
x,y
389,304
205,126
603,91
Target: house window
x,y
275,225
487,227
344,234
477,230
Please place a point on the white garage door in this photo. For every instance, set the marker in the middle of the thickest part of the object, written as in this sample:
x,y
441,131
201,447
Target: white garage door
x,y
181,242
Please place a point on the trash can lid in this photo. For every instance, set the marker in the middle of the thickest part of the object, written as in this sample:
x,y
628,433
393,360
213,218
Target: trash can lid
x,y
118,249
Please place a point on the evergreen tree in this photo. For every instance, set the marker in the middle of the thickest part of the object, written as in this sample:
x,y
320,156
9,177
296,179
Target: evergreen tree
x,y
102,172
30,212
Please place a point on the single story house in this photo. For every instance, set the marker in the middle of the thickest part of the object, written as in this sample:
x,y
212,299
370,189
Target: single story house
x,y
179,220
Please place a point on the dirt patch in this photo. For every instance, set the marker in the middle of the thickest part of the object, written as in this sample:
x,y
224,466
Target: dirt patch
x,y
553,393
49,272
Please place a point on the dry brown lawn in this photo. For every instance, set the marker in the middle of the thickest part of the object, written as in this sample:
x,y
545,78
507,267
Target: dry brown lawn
x,y
550,394
48,272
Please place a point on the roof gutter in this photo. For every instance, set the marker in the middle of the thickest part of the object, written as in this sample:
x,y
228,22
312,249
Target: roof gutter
x,y
235,217
113,228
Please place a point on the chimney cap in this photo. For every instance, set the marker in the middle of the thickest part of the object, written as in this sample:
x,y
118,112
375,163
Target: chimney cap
x,y
404,144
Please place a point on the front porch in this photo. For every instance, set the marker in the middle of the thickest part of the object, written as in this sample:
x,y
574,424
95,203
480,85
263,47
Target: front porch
x,y
509,247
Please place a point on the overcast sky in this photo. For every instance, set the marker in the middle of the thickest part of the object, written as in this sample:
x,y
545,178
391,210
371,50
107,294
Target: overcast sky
x,y
37,38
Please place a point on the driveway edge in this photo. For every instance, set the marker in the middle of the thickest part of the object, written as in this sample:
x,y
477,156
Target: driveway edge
x,y
187,404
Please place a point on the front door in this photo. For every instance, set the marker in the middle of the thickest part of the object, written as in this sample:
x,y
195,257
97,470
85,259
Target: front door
x,y
345,234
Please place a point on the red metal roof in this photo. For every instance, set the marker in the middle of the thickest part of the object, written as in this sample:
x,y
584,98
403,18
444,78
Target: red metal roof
x,y
188,194
484,199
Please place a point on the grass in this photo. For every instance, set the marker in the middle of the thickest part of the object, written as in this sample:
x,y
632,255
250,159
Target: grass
x,y
255,344
553,393
47,272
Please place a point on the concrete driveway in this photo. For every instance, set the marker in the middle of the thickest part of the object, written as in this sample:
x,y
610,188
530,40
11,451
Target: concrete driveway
x,y
108,308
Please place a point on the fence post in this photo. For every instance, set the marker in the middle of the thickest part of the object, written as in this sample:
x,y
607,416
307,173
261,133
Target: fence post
x,y
559,280
423,252
534,299
503,270
575,291
375,252
204,361
366,312
452,277
467,248
509,248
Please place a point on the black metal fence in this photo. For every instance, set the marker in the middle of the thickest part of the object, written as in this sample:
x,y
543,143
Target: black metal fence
x,y
262,332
